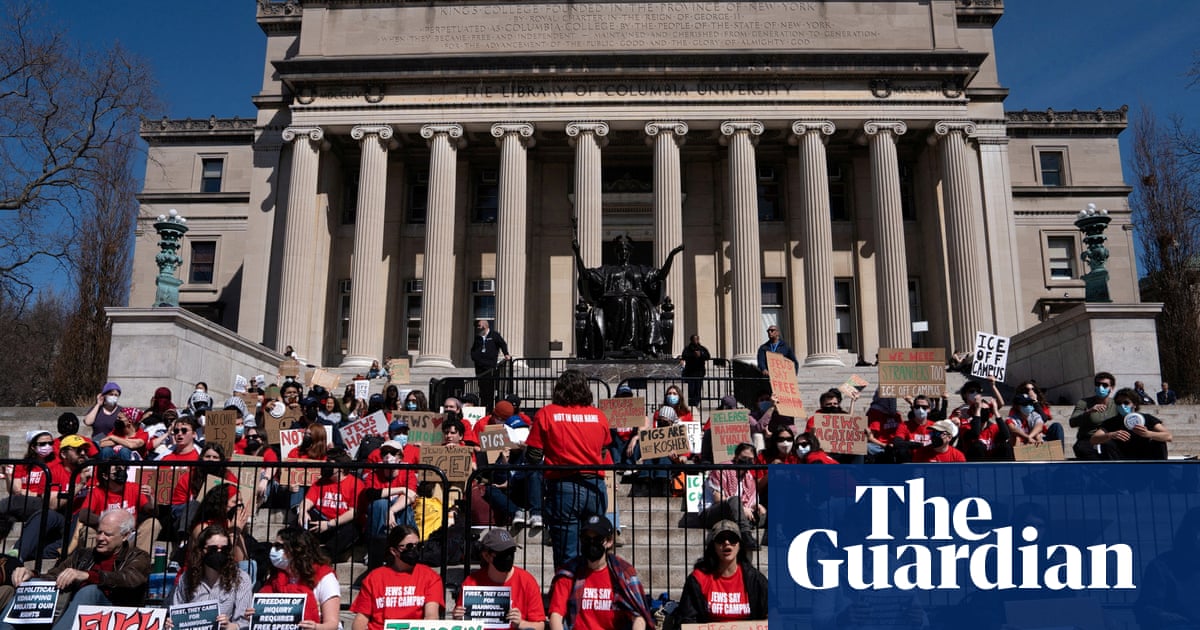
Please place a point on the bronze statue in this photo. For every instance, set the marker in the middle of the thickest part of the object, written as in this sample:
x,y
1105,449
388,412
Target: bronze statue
x,y
622,312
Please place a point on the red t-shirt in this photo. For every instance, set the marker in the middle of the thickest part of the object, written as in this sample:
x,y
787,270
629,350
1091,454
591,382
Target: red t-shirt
x,y
987,434
334,498
725,597
883,425
35,479
182,492
928,454
569,436
130,499
819,457
390,594
595,611
403,479
191,456
526,594
411,455
914,431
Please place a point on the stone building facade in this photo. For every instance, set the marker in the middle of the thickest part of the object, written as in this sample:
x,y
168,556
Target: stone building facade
x,y
846,170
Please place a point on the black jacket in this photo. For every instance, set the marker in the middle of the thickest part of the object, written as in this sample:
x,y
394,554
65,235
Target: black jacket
x,y
693,604
487,353
125,585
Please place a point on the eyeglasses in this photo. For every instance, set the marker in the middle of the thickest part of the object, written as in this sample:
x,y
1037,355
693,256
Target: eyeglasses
x,y
408,547
802,444
771,330
926,407
180,431
43,443
1103,384
211,548
728,540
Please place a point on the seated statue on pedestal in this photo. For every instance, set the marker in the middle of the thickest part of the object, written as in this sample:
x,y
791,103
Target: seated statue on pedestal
x,y
622,312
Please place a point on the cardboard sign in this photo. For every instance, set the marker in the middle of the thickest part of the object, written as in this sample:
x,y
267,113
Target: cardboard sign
x,y
197,616
625,412
362,389
784,386
210,482
289,441
325,379
912,372
277,611
991,356
247,478
34,603
240,383
424,427
406,624
220,427
841,433
488,604
729,427
693,492
162,482
664,442
853,386
300,476
454,461
725,625
354,433
695,432
1051,451
117,618
494,438
291,368
250,400
398,371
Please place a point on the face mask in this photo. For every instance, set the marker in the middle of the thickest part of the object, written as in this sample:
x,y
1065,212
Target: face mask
x,y
120,476
503,562
1125,409
45,451
411,557
592,548
1027,409
239,431
672,399
306,443
744,460
201,393
920,414
410,406
937,440
830,408
252,443
216,560
803,450
111,401
1102,391
402,439
390,458
278,559
785,445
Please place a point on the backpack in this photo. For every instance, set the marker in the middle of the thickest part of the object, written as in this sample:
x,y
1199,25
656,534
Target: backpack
x,y
368,445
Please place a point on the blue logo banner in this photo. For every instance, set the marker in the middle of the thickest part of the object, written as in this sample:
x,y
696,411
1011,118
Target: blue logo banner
x,y
985,546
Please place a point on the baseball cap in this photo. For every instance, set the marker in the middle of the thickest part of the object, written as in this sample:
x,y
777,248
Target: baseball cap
x,y
497,539
945,426
392,444
504,409
599,525
397,425
722,527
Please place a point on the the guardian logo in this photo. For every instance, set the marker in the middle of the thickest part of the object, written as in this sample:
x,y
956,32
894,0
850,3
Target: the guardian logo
x,y
956,545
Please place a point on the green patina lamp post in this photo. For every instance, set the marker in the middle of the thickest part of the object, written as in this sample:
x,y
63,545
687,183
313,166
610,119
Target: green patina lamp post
x,y
1092,223
171,228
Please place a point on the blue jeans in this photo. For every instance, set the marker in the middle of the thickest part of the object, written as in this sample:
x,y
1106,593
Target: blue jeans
x,y
568,503
90,595
125,454
377,517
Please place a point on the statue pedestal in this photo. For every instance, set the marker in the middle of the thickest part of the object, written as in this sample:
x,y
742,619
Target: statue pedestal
x,y
613,371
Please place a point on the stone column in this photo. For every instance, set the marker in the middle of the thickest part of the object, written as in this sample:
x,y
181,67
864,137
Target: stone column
x,y
295,294
513,139
367,275
741,136
962,255
818,242
587,138
996,193
667,135
891,277
437,324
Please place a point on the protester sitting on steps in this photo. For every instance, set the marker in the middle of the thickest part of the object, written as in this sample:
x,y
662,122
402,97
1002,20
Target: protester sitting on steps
x,y
723,585
1131,434
212,575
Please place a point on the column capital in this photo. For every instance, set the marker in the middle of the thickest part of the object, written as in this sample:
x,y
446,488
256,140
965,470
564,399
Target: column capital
x,y
676,127
895,127
522,130
315,134
453,130
824,127
946,127
385,132
597,128
730,127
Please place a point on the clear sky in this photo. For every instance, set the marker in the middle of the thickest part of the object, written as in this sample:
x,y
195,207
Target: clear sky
x,y
1064,54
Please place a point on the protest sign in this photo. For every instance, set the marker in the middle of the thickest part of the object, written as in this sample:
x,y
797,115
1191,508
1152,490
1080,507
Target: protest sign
x,y
118,618
494,438
473,414
693,492
162,482
220,427
34,602
695,433
991,356
912,372
841,433
729,427
210,482
324,378
427,624
247,479
664,441
277,611
362,389
289,441
1051,451
300,476
354,433
250,400
291,368
398,371
455,461
853,386
624,412
240,384
197,616
488,604
784,387
424,427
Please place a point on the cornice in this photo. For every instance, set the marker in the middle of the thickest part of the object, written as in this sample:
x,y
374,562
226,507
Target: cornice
x,y
168,129
275,16
1072,191
984,12
1075,116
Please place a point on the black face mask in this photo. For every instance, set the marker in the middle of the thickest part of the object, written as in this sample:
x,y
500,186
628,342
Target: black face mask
x,y
216,560
306,443
120,476
592,548
252,443
937,440
834,408
504,560
411,557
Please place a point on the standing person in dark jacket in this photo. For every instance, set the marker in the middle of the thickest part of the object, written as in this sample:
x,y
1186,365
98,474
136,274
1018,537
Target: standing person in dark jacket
x,y
694,360
485,354
775,343
723,586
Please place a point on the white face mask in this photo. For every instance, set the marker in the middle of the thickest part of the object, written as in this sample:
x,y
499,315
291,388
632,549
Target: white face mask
x,y
278,559
111,401
45,451
803,450
920,414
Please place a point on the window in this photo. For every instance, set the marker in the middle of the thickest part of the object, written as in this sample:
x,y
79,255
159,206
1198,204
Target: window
x,y
1051,166
839,203
350,199
487,196
843,299
483,300
418,195
203,262
772,305
768,194
412,313
210,174
1060,254
908,194
344,315
914,312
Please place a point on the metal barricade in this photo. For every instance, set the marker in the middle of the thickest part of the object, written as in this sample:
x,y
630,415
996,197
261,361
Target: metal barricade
x,y
22,506
713,388
535,391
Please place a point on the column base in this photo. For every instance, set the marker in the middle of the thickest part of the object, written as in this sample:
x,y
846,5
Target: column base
x,y
428,361
823,360
352,361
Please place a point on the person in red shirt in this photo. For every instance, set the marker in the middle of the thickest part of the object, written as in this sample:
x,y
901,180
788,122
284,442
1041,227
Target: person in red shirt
x,y
939,450
723,586
329,506
883,421
808,449
191,483
113,490
570,431
499,551
404,589
597,590
300,566
31,482
183,440
386,500
127,440
72,451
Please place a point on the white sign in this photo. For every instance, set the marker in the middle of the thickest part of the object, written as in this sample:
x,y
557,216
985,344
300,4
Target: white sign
x,y
473,414
695,433
117,618
239,384
693,492
354,433
362,389
991,356
289,441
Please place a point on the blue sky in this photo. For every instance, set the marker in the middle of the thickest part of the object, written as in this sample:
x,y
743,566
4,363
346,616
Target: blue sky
x,y
1064,54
